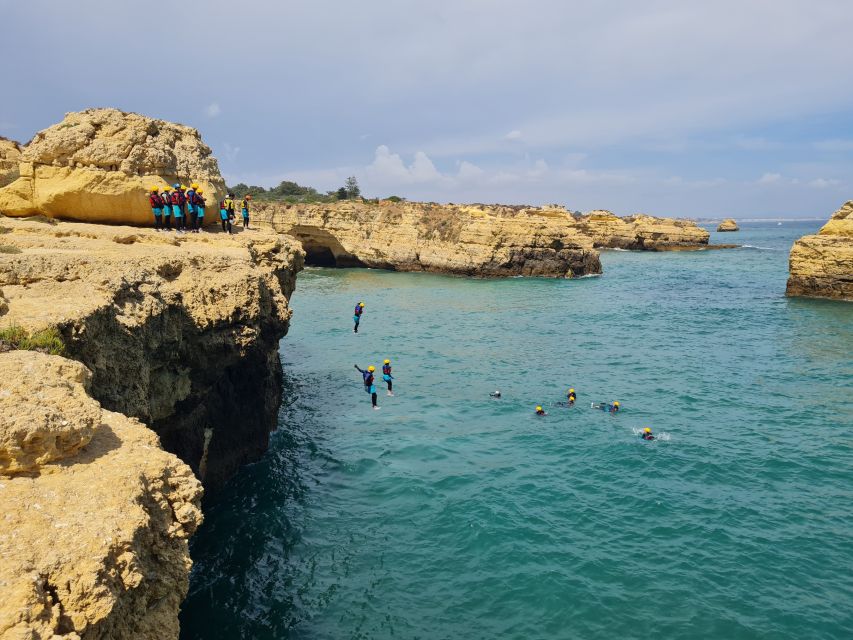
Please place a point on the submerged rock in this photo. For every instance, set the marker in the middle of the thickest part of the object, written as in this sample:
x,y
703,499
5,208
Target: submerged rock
x,y
821,265
96,516
97,165
475,240
728,225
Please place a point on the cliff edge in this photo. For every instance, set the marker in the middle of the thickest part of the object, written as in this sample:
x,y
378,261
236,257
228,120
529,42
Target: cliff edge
x,y
96,516
179,331
821,265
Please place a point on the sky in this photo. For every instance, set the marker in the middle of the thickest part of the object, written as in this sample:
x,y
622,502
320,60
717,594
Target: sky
x,y
680,108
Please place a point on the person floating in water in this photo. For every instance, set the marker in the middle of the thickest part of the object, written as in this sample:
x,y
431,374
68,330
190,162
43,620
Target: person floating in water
x,y
571,397
647,434
496,394
540,411
369,382
604,406
356,318
387,377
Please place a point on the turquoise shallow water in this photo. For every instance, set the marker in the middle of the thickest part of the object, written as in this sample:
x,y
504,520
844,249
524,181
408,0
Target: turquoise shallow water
x,y
450,515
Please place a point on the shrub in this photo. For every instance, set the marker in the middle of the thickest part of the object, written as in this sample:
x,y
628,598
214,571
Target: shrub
x,y
46,340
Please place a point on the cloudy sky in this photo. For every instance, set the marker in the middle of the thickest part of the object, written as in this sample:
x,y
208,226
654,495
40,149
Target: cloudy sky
x,y
681,107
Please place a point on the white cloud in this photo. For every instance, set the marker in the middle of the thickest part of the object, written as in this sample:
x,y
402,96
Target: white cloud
x,y
513,136
823,183
212,110
770,178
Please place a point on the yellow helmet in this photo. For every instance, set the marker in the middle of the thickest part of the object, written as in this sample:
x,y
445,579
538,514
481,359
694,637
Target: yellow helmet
x,y
184,187
154,189
387,361
539,408
571,390
194,185
371,368
360,304
647,430
616,403
199,190
166,189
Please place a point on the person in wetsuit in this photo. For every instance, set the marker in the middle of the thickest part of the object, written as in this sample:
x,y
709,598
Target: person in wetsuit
x,y
604,406
387,377
356,318
369,382
156,203
540,411
496,394
571,397
647,434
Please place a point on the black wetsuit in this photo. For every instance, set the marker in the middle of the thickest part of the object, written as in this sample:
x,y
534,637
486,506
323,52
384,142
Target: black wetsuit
x,y
369,385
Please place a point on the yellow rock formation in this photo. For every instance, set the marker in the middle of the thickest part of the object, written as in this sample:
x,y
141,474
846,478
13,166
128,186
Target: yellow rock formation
x,y
10,156
472,240
728,225
94,536
641,232
96,166
821,266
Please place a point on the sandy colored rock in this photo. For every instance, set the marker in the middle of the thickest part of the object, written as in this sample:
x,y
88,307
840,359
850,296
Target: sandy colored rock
x,y
728,225
821,265
10,157
96,166
640,232
180,331
93,545
475,240
45,423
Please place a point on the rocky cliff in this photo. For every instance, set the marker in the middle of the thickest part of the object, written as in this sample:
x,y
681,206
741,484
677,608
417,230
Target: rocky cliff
x,y
10,157
641,232
96,516
821,265
96,166
179,332
456,239
728,225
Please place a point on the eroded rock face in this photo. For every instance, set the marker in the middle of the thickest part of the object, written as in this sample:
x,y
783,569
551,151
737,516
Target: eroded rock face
x,y
10,157
641,232
94,541
97,165
180,332
821,265
477,240
728,225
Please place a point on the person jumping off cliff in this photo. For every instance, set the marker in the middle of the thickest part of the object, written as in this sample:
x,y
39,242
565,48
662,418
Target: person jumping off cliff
x,y
387,377
244,209
156,207
356,318
167,208
369,383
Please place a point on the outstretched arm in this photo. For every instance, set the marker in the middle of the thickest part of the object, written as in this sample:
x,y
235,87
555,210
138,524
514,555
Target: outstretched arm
x,y
359,370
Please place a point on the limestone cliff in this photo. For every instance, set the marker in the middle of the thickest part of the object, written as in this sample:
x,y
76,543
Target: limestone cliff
x,y
96,516
10,156
728,225
473,240
179,332
641,232
96,166
821,265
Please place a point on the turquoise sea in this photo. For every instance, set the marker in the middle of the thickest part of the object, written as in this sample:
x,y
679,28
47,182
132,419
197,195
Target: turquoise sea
x,y
447,514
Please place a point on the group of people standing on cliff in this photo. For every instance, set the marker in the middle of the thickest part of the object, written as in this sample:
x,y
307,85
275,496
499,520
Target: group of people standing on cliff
x,y
181,202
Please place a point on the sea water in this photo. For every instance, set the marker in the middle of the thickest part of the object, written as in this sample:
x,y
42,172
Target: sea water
x,y
448,514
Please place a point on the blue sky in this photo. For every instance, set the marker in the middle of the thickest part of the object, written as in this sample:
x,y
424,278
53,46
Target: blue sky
x,y
682,108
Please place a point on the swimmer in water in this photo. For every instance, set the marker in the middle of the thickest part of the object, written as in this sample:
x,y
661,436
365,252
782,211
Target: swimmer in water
x,y
612,408
540,411
647,434
571,397
496,394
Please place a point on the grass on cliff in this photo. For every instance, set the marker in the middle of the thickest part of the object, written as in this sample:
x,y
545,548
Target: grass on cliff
x,y
46,340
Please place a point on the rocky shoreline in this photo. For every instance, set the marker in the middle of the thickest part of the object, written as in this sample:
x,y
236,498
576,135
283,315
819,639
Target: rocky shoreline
x,y
821,265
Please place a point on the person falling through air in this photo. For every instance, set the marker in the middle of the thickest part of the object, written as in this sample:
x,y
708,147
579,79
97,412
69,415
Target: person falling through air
x,y
387,377
356,318
369,382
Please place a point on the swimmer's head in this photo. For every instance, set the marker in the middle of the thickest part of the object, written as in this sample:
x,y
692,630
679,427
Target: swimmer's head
x,y
371,368
647,430
616,403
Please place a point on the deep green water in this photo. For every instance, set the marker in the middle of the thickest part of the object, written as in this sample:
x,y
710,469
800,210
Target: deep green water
x,y
450,515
